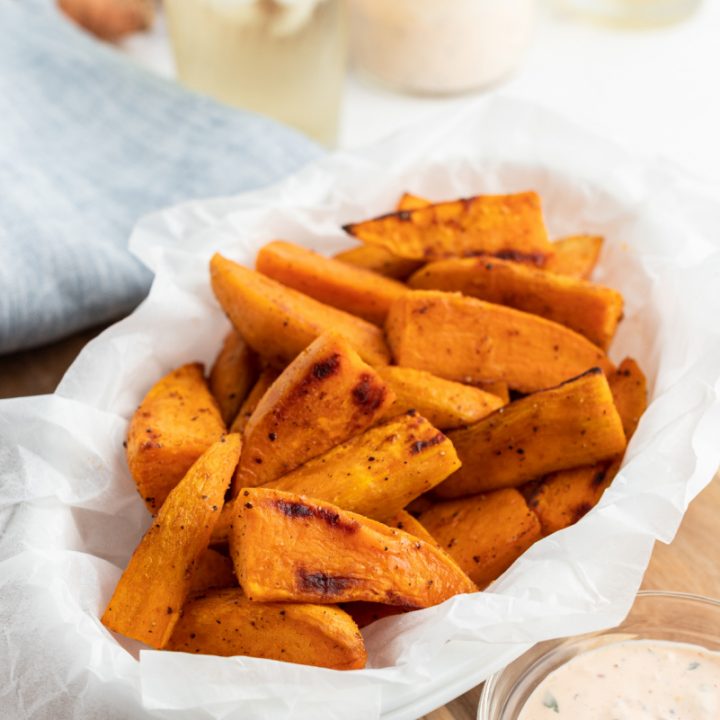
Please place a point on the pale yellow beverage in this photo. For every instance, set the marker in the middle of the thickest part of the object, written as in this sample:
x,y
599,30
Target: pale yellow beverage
x,y
285,59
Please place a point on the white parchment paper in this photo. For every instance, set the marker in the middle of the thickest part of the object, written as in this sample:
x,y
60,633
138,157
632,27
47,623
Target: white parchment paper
x,y
70,515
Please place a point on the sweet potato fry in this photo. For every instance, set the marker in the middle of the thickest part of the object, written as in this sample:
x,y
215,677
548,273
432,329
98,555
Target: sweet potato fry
x,y
278,322
484,534
403,520
176,422
147,600
266,378
323,554
380,261
213,570
225,622
499,388
575,256
326,395
446,404
232,375
354,290
366,613
567,426
589,309
508,226
562,498
379,472
408,201
470,340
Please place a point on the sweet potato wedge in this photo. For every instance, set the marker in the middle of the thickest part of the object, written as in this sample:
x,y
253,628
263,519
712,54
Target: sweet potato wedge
x,y
446,404
469,340
408,201
323,554
279,323
404,521
232,375
575,256
225,622
212,570
508,226
589,309
499,388
366,613
379,472
484,534
352,289
562,498
379,260
266,378
325,396
567,426
151,591
176,422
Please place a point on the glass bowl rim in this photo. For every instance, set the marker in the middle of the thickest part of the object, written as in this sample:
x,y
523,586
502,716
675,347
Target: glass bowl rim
x,y
489,685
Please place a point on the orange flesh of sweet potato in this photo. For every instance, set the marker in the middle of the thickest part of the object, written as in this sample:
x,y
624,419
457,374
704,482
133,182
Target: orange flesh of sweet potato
x,y
499,388
366,613
176,422
379,260
232,375
469,340
444,403
403,520
589,309
213,570
562,498
484,534
508,226
575,256
567,426
377,473
279,322
326,395
354,290
408,201
320,553
266,378
225,622
148,598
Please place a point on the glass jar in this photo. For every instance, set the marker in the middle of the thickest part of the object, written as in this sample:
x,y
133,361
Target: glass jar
x,y
631,13
436,46
655,615
282,58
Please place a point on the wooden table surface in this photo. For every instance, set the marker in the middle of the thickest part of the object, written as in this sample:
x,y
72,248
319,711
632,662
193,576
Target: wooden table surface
x,y
691,563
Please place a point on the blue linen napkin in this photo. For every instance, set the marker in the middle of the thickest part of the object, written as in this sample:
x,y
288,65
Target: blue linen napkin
x,y
89,142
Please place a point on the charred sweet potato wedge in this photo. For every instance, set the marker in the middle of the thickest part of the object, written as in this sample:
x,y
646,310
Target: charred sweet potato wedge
x,y
355,290
484,534
379,472
148,598
562,498
510,226
225,622
575,256
567,426
266,378
408,201
404,521
446,404
589,309
323,554
213,570
469,340
366,613
325,396
232,375
279,322
176,422
379,260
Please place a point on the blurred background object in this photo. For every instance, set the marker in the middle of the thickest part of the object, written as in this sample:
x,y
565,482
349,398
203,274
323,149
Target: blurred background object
x,y
439,47
282,58
110,19
631,13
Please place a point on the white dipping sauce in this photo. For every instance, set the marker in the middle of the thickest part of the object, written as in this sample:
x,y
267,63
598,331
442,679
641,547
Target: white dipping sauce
x,y
631,680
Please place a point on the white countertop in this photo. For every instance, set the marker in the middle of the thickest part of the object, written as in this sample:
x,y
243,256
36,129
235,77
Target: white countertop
x,y
657,90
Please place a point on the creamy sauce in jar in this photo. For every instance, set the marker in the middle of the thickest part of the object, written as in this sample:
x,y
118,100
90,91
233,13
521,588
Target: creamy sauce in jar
x,y
631,680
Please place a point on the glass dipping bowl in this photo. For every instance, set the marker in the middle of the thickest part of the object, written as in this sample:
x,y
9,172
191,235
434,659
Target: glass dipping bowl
x,y
655,615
